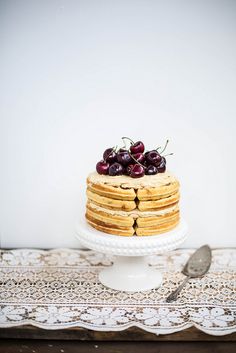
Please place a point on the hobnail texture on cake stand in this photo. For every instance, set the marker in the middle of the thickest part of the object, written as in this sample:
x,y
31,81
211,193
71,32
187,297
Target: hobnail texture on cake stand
x,y
130,270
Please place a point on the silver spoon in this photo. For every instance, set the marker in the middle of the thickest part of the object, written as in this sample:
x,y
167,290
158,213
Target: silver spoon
x,y
197,265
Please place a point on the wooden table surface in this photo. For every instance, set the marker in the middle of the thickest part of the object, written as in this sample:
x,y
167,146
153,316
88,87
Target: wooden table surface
x,y
29,339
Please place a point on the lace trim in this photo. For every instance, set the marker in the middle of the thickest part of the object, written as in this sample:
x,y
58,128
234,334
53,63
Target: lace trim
x,y
60,288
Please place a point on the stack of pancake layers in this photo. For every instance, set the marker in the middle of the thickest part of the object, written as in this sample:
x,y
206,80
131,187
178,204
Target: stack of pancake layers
x,y
122,205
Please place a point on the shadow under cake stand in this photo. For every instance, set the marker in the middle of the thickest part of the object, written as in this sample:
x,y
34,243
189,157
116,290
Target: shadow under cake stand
x,y
130,270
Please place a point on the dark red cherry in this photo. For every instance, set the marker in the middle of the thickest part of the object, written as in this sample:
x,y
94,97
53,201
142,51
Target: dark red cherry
x,y
124,158
151,170
138,157
116,169
102,167
145,163
109,155
137,171
154,158
129,169
162,166
137,147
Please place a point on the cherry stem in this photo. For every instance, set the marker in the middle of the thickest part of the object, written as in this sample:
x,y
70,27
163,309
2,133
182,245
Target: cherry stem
x,y
124,146
138,162
167,141
132,142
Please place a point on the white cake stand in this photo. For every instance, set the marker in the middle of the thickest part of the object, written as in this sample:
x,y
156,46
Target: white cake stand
x,y
130,270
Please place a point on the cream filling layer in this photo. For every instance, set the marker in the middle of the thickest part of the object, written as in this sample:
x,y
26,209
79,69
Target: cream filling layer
x,y
126,182
135,213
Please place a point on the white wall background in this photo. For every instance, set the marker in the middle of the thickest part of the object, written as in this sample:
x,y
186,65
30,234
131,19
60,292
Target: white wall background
x,y
78,75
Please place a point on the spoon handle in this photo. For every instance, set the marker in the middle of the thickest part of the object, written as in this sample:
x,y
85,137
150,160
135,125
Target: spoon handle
x,y
173,296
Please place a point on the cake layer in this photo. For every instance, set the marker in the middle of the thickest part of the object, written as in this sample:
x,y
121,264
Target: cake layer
x,y
160,192
114,192
123,224
151,187
154,230
134,213
111,203
155,204
103,216
129,231
129,220
157,220
110,229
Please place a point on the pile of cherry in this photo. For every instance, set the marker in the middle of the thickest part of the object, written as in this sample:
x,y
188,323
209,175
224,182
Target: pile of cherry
x,y
133,162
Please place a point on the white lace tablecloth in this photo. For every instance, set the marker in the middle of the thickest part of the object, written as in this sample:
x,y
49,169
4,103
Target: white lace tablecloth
x,y
60,289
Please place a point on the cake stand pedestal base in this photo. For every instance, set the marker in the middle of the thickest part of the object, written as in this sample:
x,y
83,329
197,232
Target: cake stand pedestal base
x,y
130,273
130,270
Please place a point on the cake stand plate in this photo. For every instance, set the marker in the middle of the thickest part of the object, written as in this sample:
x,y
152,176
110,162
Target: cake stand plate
x,y
130,270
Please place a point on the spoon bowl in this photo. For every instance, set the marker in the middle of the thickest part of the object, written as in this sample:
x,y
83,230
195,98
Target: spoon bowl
x,y
198,263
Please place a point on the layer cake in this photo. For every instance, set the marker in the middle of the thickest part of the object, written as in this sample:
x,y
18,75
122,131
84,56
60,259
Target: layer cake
x,y
122,205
